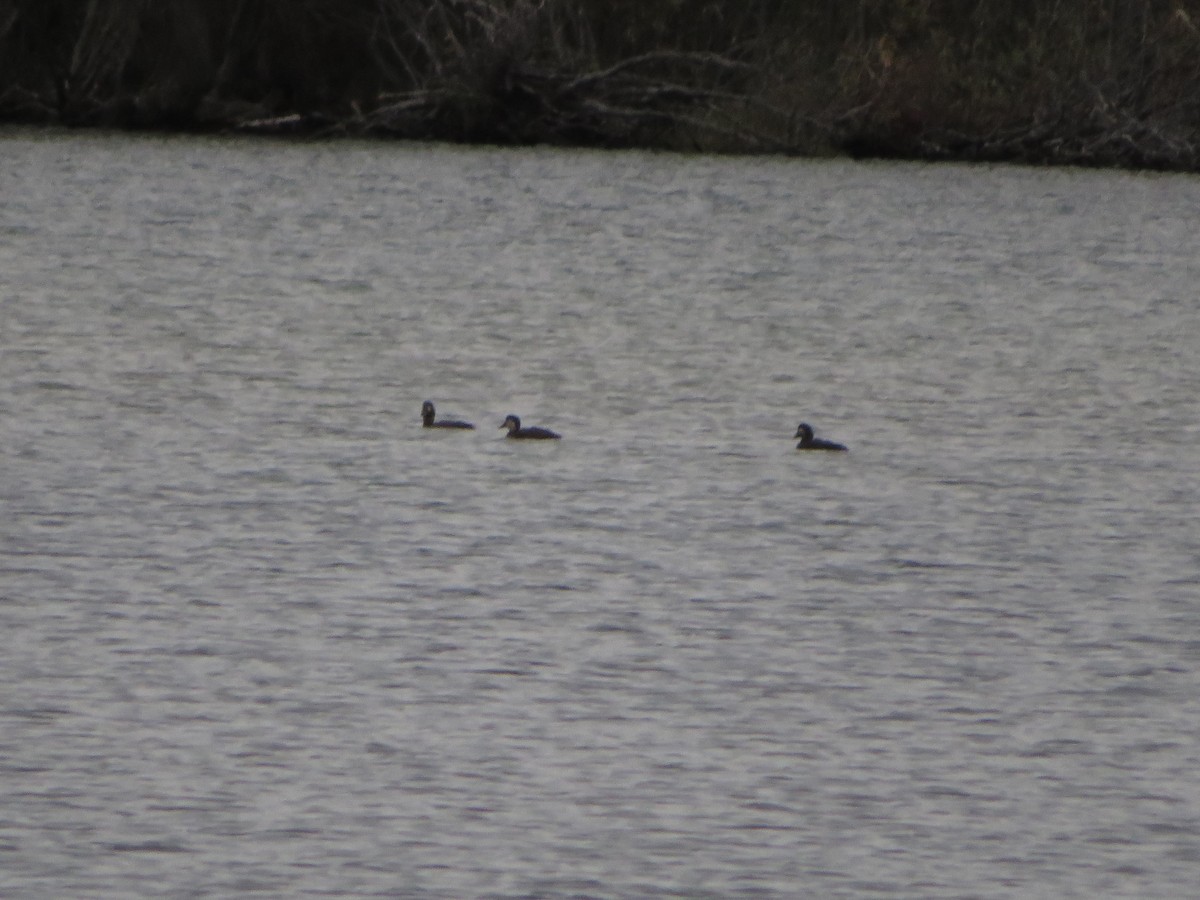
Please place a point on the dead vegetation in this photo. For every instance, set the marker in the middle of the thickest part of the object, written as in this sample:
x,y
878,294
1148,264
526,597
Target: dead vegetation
x,y
1093,82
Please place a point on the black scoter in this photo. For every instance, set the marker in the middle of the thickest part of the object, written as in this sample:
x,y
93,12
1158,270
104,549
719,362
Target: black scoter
x,y
427,419
513,424
808,442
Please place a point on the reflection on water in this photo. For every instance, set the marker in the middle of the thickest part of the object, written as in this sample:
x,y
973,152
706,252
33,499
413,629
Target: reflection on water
x,y
267,635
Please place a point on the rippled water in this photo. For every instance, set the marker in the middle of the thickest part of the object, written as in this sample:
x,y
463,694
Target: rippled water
x,y
264,635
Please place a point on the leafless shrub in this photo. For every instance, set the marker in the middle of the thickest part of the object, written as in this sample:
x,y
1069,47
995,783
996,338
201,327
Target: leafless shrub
x,y
1089,81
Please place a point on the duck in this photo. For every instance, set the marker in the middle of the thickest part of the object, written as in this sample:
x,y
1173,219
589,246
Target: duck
x,y
427,418
513,424
808,442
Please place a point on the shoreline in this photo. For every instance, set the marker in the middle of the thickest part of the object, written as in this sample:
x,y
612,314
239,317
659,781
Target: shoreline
x,y
301,127
1076,83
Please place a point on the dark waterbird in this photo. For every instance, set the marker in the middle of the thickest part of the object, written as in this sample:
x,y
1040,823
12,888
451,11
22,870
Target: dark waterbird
x,y
513,424
808,442
427,418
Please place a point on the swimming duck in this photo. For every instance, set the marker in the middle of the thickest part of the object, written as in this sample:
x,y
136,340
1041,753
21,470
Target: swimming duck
x,y
808,442
513,424
427,414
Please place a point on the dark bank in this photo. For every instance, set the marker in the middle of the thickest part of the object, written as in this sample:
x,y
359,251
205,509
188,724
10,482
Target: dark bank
x,y
1079,82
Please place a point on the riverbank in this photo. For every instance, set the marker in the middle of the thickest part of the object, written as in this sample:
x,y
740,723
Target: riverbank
x,y
1081,83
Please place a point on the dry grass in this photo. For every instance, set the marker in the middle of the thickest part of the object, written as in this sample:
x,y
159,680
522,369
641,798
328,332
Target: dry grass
x,y
1113,82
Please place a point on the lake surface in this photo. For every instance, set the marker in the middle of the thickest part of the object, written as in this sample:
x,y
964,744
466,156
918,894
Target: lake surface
x,y
263,635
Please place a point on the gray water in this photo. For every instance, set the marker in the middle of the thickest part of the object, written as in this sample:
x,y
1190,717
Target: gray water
x,y
263,635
